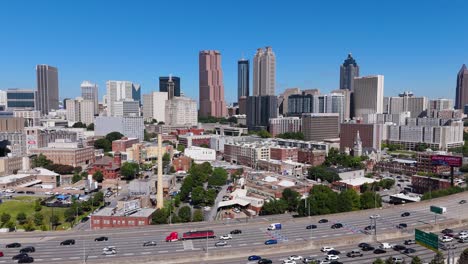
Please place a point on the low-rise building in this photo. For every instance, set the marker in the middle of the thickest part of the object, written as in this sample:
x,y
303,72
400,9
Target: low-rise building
x,y
200,155
423,184
283,167
311,156
23,179
246,154
11,165
123,144
110,167
352,183
195,140
73,155
271,186
284,153
281,125
182,163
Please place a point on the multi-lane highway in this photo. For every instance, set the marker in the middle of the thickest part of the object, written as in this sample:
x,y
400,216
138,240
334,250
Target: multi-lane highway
x,y
292,237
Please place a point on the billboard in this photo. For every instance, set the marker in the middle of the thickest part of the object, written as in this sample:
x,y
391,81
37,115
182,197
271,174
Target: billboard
x,y
444,160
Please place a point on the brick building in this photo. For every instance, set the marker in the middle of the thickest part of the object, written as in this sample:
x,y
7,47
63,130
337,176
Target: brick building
x,y
311,156
67,156
283,153
182,163
423,184
123,144
370,134
113,218
110,167
195,140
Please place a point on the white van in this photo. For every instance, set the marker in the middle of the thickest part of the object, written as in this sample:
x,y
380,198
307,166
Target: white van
x,y
385,246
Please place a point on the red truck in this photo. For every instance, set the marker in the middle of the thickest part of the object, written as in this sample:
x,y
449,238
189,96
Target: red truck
x,y
174,236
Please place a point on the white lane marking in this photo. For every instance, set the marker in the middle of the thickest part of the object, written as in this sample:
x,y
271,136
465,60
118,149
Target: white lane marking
x,y
163,251
243,245
145,253
129,254
92,257
74,257
180,250
257,243
56,258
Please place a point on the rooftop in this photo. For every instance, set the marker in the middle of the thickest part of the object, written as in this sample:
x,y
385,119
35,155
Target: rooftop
x,y
143,212
357,181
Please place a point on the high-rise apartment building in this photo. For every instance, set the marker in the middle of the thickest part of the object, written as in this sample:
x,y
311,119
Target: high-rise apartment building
x,y
348,71
368,95
21,99
283,99
282,125
80,110
243,80
121,90
211,84
130,126
299,104
154,106
47,88
259,111
461,93
406,102
163,84
127,107
89,91
264,72
440,104
320,126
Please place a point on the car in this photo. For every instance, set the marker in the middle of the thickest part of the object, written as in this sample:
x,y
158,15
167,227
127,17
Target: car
x,y
385,245
333,257
374,216
336,262
462,202
20,255
1,254
225,237
20,192
405,214
409,242
402,225
309,260
324,261
397,260
446,239
399,247
462,236
379,251
84,219
361,245
110,251
10,191
271,242
354,253
311,227
288,261
67,242
447,231
49,193
236,231
409,251
221,244
295,257
369,227
322,221
30,192
27,259
368,248
254,257
463,240
326,249
13,245
103,238
29,249
265,261
150,244
334,252
337,226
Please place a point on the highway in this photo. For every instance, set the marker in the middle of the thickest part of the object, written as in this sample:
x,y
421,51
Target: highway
x,y
129,241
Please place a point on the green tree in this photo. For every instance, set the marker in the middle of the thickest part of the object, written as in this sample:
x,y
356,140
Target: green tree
x,y
463,257
370,200
389,261
76,178
79,125
274,206
292,135
177,201
104,144
28,227
114,136
186,187
185,214
37,205
218,177
54,220
348,200
21,218
98,198
38,219
90,127
159,217
98,176
10,225
5,218
41,161
175,219
181,148
197,215
322,200
198,195
129,170
210,197
263,134
292,199
416,260
438,258
322,173
387,183
378,261
69,215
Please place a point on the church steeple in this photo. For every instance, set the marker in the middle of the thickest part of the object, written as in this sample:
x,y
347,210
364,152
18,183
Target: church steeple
x,y
357,148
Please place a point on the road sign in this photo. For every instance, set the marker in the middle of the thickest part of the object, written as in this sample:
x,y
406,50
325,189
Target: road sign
x,y
436,209
428,240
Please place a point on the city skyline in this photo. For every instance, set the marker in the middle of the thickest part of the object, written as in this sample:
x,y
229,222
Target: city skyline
x,y
425,63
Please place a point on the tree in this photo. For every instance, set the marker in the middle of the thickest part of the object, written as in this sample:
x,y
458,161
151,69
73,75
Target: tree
x,y
54,220
416,260
28,227
38,219
323,173
204,145
37,205
274,207
218,177
98,198
232,119
389,261
5,218
186,187
76,178
292,199
322,200
180,148
159,217
10,225
41,161
370,200
185,214
198,195
129,170
104,144
438,258
378,261
210,197
463,257
263,134
291,135
90,127
387,183
197,215
69,215
21,218
177,201
114,136
348,200
98,176
79,125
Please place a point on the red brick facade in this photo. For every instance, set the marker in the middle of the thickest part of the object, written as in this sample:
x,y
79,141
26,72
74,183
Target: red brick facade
x,y
182,163
312,157
123,144
110,167
284,153
112,221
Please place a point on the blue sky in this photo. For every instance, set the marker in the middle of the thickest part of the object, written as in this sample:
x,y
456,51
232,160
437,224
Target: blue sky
x,y
418,45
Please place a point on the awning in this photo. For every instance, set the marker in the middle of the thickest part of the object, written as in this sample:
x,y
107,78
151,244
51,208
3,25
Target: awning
x,y
233,202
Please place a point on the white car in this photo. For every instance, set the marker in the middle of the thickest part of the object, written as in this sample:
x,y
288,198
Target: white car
x,y
446,239
295,257
333,257
385,246
225,237
48,193
374,216
109,252
10,191
326,249
463,236
288,261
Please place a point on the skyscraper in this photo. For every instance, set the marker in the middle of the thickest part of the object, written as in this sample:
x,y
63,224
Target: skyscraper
x,y
461,94
89,91
259,111
163,84
211,84
47,88
119,91
243,78
348,71
264,72
368,95
170,88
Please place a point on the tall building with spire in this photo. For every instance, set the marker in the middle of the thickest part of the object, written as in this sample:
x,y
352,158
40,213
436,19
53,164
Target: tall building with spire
x,y
264,72
461,94
163,84
211,84
243,88
348,71
170,87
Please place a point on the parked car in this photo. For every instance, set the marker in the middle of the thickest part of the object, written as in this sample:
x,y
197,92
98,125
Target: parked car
x,y
103,238
67,242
